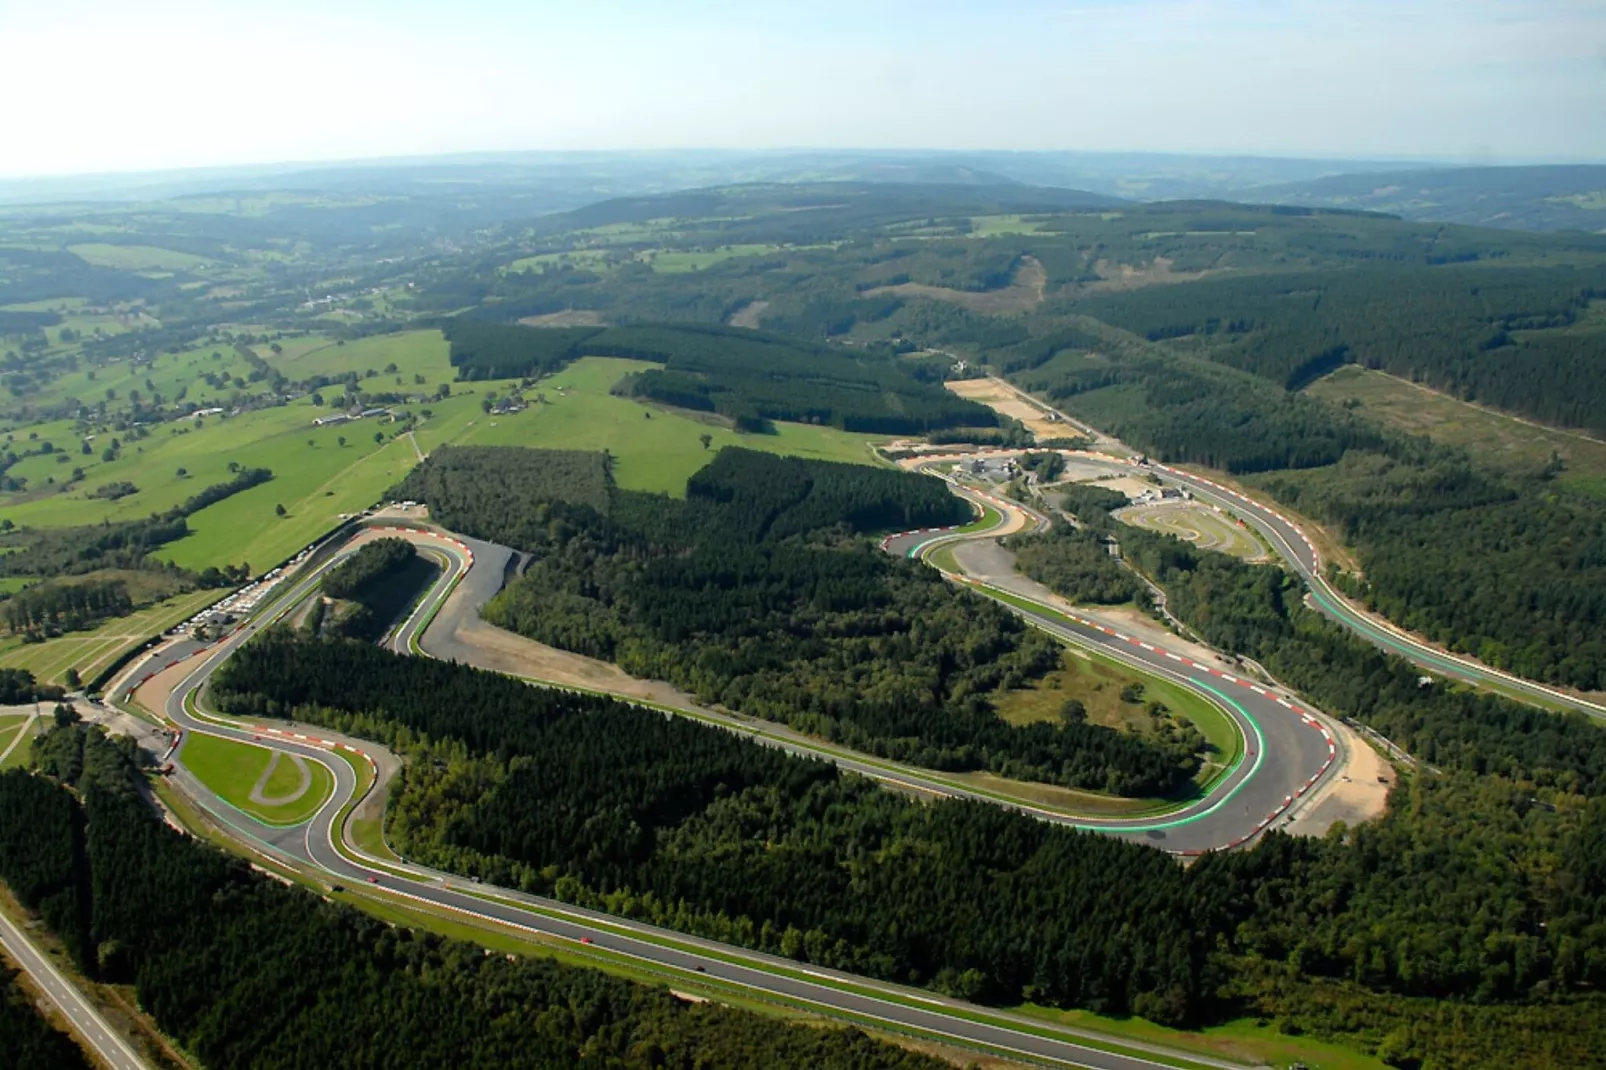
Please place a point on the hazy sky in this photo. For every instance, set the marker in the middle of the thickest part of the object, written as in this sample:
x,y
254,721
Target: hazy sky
x,y
101,85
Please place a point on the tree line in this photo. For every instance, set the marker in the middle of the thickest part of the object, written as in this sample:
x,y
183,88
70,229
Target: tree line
x,y
71,551
29,1041
65,606
748,376
1490,334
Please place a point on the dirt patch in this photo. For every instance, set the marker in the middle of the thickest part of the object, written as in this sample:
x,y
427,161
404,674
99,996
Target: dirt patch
x,y
503,651
749,315
573,317
1131,486
1023,294
153,693
1357,792
1006,402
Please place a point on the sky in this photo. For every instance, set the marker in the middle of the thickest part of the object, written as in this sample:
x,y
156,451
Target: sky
x,y
109,85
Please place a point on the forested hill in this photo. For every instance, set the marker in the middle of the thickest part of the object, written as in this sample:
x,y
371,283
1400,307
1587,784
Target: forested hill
x,y
1556,197
746,376
757,592
1524,339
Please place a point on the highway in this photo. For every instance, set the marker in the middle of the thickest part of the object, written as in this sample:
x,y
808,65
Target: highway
x,y
1299,553
75,1007
474,570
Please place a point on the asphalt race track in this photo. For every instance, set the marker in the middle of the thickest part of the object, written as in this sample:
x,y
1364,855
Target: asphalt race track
x,y
1287,748
475,571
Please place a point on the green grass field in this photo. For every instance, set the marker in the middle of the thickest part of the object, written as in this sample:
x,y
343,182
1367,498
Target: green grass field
x,y
92,651
1247,1040
21,755
656,449
994,226
317,479
232,769
1098,682
1214,724
412,352
136,257
1509,445
1199,524
676,261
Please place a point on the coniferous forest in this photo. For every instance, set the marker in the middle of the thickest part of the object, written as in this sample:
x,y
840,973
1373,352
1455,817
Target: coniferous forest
x,y
244,972
687,826
1510,572
27,1039
757,592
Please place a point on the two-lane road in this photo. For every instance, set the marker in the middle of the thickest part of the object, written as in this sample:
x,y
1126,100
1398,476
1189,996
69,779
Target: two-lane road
x,y
75,1007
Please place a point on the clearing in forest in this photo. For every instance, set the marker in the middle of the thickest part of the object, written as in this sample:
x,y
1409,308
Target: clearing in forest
x,y
1023,294
1003,400
1508,444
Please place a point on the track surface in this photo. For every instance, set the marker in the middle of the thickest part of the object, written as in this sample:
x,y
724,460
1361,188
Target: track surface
x,y
474,572
1287,749
1292,545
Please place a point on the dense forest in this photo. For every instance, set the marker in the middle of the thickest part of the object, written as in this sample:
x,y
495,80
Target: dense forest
x,y
244,972
1511,573
746,376
370,589
29,1042
690,827
1463,329
756,593
371,564
1075,559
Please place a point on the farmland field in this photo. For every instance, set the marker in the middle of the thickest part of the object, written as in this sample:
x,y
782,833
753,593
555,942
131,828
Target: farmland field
x,y
412,352
92,651
15,736
136,257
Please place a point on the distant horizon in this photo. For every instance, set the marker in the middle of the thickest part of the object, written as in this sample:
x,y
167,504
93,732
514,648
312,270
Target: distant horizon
x,y
470,157
108,88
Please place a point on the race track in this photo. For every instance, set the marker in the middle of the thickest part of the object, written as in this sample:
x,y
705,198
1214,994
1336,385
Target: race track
x,y
474,571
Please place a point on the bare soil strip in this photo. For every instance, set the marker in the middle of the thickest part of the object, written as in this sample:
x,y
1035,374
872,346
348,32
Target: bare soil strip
x,y
749,315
